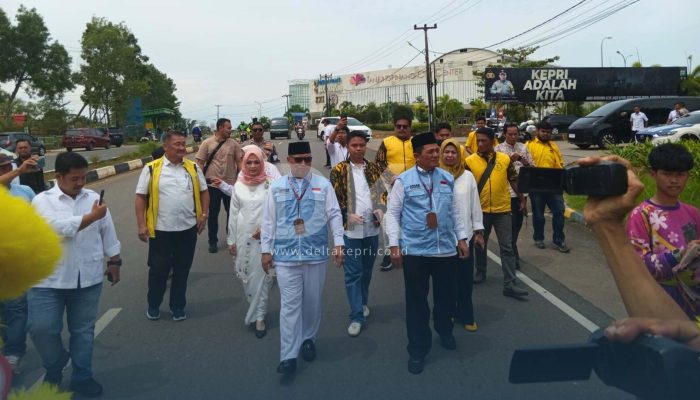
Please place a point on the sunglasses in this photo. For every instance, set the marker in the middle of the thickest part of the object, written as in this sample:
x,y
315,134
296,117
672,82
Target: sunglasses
x,y
399,126
256,130
299,160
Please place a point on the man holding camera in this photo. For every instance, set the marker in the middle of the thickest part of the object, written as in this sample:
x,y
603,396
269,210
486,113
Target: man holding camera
x,y
546,154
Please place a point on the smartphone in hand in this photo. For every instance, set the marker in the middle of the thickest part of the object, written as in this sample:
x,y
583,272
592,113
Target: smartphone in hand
x,y
102,196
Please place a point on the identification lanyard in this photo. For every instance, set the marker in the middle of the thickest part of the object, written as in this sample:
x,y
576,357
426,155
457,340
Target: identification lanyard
x,y
429,191
304,186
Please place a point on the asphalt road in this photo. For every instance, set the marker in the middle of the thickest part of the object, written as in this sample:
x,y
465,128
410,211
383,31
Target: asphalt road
x,y
102,153
213,355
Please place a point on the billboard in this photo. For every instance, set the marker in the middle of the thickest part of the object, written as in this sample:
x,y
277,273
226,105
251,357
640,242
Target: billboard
x,y
531,85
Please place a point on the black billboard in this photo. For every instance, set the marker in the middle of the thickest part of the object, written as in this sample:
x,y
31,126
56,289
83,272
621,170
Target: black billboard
x,y
531,85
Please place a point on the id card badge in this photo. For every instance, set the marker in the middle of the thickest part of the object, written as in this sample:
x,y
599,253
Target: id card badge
x,y
299,228
431,220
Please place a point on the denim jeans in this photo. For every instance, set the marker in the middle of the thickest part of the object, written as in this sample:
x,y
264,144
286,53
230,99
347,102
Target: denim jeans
x,y
359,260
46,309
216,197
13,316
555,202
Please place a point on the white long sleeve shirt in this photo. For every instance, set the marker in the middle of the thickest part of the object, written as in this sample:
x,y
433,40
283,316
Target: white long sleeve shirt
x,y
84,251
469,204
337,152
395,206
332,212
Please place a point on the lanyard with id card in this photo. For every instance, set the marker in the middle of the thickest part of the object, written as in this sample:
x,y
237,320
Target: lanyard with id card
x,y
431,216
299,228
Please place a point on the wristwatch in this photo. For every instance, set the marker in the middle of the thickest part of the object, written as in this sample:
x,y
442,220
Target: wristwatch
x,y
117,262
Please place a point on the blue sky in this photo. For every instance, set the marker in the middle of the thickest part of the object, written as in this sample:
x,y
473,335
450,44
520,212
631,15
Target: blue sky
x,y
235,53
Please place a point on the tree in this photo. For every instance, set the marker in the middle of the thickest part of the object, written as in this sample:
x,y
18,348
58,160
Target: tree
x,y
295,109
371,114
30,59
691,86
420,110
447,109
160,90
113,70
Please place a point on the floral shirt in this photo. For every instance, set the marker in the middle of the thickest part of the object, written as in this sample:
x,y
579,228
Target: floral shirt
x,y
659,235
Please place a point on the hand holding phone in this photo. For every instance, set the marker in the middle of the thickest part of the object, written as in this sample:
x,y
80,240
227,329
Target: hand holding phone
x,y
102,196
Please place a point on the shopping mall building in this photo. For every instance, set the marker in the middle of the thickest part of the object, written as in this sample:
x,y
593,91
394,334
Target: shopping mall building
x,y
452,73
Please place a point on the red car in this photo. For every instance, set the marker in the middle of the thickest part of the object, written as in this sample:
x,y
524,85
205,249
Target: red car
x,y
87,138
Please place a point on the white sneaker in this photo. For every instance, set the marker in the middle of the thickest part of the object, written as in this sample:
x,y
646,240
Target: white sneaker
x,y
365,311
14,364
354,328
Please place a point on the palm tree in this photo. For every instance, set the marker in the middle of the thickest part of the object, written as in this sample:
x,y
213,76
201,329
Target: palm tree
x,y
691,86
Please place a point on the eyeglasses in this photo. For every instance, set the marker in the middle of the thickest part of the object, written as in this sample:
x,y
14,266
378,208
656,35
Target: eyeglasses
x,y
300,160
400,126
257,130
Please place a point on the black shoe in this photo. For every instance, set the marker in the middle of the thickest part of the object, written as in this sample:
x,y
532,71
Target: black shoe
x,y
260,333
415,365
87,388
448,341
213,248
287,366
386,264
479,276
511,289
308,350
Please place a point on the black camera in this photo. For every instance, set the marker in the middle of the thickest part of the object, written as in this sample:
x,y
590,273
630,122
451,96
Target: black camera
x,y
651,367
603,179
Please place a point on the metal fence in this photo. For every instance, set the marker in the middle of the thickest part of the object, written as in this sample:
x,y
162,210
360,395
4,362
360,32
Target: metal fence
x,y
464,91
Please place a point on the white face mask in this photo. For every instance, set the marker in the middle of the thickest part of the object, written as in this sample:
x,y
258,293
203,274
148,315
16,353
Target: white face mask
x,y
300,170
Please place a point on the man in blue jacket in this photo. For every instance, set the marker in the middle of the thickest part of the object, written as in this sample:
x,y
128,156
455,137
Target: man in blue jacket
x,y
301,208
426,237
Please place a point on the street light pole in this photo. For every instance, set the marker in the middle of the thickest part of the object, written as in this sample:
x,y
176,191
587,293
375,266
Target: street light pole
x,y
259,109
287,96
601,49
624,59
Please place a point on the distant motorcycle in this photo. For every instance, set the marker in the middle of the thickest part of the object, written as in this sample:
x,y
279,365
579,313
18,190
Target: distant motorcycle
x,y
300,132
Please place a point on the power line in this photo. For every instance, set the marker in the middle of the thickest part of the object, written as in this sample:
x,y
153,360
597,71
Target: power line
x,y
457,13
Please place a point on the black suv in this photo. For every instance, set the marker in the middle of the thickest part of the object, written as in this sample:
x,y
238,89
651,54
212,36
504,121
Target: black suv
x,y
8,142
116,137
560,122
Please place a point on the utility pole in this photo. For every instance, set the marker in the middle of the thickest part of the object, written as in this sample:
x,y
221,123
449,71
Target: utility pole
x,y
287,96
217,110
324,78
425,28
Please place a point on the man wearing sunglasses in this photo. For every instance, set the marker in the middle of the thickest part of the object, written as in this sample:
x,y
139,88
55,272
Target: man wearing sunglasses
x,y
395,155
266,146
301,209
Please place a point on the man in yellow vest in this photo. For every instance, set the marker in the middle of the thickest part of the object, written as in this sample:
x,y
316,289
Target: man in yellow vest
x,y
471,145
395,155
495,174
546,154
171,205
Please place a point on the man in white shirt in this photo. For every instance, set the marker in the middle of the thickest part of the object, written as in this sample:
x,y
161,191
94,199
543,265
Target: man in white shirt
x,y
88,236
359,189
638,120
676,113
337,146
171,210
327,130
300,212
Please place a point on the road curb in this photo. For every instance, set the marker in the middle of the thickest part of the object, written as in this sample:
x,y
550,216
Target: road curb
x,y
98,174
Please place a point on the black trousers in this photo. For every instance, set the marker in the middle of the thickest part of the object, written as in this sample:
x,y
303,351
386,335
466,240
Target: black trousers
x,y
170,251
517,217
417,271
216,196
464,285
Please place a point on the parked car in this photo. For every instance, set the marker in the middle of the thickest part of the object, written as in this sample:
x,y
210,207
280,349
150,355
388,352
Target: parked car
x,y
87,138
8,142
560,122
116,137
353,125
686,127
279,127
611,122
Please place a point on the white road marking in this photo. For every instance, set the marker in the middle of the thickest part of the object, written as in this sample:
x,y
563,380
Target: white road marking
x,y
557,302
100,325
